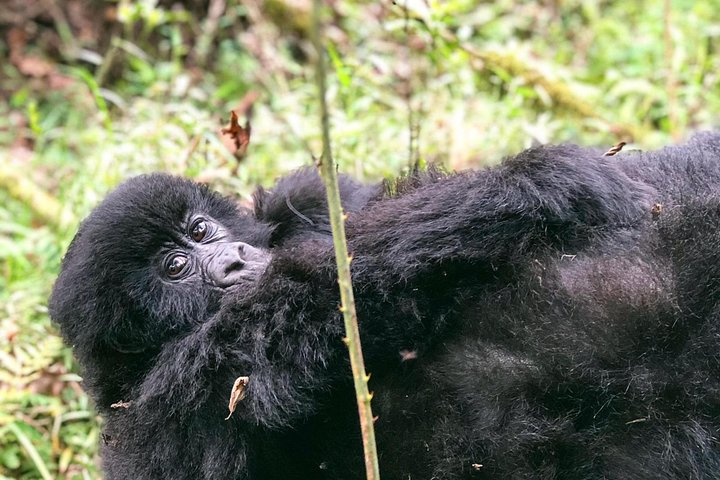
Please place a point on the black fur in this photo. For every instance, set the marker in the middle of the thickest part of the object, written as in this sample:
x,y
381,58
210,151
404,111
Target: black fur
x,y
528,321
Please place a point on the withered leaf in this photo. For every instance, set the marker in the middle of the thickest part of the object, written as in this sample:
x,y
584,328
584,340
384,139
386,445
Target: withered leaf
x,y
236,394
121,404
236,137
615,149
407,355
656,210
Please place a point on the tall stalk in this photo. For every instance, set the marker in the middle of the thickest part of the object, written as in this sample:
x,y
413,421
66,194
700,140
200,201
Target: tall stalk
x,y
337,222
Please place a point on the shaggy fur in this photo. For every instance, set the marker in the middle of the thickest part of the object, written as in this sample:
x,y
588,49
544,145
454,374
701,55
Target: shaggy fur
x,y
533,320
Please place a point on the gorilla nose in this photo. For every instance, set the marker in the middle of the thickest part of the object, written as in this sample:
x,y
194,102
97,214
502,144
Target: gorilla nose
x,y
225,263
232,262
235,258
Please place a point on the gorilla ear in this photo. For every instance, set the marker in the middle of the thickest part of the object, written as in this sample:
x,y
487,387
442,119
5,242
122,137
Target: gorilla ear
x,y
89,325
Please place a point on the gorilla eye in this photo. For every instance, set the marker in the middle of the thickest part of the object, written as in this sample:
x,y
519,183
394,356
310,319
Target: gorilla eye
x,y
176,266
199,230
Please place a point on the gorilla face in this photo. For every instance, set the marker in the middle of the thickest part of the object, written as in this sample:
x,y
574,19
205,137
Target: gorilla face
x,y
153,259
206,249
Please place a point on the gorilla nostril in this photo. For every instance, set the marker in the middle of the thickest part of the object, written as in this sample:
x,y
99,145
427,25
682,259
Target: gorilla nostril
x,y
233,266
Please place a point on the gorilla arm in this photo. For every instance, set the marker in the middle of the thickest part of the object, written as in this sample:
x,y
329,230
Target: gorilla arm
x,y
421,257
546,196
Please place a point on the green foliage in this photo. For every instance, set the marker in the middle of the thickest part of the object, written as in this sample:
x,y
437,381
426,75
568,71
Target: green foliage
x,y
151,95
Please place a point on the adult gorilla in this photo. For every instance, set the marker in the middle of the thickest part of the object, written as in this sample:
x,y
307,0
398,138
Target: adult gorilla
x,y
534,320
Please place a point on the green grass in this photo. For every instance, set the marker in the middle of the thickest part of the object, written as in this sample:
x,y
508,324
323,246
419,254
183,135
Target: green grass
x,y
78,141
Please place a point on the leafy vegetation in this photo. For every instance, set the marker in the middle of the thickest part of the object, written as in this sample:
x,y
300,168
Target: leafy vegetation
x,y
94,92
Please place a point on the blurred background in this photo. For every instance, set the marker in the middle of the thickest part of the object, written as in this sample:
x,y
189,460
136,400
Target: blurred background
x,y
92,92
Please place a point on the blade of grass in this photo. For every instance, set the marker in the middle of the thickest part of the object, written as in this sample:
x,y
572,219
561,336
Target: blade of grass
x,y
30,450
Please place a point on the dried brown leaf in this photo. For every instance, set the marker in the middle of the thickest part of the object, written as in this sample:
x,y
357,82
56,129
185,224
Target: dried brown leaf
x,y
236,137
615,149
406,355
656,210
236,394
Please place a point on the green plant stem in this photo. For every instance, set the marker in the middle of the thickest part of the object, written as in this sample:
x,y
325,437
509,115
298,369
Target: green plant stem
x,y
337,222
670,79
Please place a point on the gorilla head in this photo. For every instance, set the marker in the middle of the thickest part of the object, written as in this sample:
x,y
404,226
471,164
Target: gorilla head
x,y
183,246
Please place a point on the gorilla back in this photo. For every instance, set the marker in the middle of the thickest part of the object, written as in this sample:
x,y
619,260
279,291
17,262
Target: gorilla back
x,y
534,320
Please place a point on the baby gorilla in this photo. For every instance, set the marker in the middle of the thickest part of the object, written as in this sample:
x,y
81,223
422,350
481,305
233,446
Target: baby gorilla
x,y
530,320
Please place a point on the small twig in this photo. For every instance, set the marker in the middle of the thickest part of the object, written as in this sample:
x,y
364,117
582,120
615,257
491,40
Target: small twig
x,y
670,80
413,127
297,212
209,29
109,60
